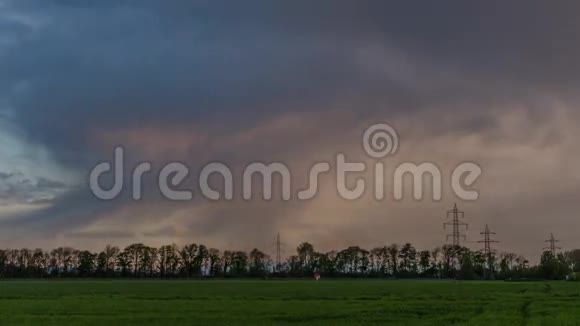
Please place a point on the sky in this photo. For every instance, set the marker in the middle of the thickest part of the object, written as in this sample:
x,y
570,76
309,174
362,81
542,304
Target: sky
x,y
493,83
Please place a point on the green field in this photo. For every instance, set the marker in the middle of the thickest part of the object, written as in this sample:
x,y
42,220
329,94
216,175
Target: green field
x,y
288,303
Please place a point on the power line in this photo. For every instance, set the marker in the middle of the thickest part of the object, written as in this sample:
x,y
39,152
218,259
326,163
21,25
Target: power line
x,y
552,246
277,249
457,224
487,241
278,253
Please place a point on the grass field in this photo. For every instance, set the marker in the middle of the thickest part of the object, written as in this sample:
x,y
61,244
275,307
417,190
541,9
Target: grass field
x,y
288,303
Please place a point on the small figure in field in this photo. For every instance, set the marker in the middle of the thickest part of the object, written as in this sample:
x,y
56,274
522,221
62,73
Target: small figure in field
x,y
316,276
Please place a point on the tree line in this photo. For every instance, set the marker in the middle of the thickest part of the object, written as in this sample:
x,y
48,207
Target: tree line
x,y
199,261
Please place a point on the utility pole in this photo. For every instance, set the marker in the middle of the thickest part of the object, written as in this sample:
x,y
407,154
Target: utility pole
x,y
552,246
455,215
487,241
276,249
278,253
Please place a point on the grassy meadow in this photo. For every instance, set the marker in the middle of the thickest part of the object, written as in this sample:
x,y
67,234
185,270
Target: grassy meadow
x,y
328,302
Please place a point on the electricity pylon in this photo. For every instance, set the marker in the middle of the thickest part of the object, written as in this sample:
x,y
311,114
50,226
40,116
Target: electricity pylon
x,y
456,214
552,246
488,252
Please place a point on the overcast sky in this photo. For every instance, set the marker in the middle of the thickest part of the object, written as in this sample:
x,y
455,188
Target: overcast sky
x,y
493,82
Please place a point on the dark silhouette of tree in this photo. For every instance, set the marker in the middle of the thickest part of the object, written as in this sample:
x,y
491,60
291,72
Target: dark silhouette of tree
x,y
380,260
425,263
193,260
168,260
258,263
239,263
188,259
135,252
327,263
101,268
407,260
465,260
573,258
124,260
436,264
201,260
305,254
227,261
394,254
294,266
109,255
148,261
449,262
214,262
86,265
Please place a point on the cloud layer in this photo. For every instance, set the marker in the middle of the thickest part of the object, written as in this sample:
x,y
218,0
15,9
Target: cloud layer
x,y
200,81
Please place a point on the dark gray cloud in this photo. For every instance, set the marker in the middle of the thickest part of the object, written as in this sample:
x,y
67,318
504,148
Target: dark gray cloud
x,y
15,188
47,184
132,63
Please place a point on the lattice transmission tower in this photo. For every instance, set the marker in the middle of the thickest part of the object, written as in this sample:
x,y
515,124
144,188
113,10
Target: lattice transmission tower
x,y
552,246
488,252
455,214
